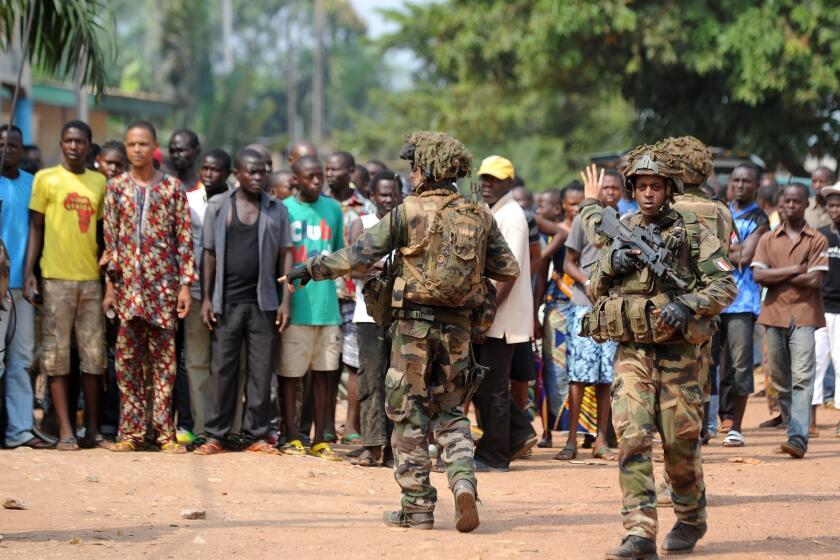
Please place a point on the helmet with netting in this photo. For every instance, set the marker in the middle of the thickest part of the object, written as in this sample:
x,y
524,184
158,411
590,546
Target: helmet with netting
x,y
690,157
653,160
438,156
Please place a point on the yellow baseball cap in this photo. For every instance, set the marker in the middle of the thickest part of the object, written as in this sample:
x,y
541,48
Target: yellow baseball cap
x,y
498,167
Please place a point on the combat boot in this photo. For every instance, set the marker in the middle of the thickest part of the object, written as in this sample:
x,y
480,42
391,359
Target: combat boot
x,y
634,547
466,510
682,538
417,520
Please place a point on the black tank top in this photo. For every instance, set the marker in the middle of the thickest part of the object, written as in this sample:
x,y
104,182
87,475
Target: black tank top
x,y
242,260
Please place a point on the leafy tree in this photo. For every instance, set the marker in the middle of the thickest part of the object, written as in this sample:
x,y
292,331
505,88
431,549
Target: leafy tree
x,y
761,76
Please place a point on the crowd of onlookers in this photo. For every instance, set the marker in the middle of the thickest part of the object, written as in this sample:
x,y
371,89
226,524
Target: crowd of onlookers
x,y
145,282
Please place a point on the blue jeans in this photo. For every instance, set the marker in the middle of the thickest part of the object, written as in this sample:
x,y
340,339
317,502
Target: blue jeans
x,y
15,363
791,358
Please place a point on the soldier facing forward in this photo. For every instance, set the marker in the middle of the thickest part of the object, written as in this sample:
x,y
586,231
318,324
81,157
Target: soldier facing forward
x,y
445,247
658,326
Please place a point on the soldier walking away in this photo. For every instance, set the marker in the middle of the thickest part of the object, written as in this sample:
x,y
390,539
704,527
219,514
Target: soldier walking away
x,y
446,249
659,316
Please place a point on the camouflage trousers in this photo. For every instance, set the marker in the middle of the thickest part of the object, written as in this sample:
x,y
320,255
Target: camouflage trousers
x,y
658,387
424,387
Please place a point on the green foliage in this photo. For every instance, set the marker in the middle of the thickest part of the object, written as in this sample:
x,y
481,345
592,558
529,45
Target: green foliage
x,y
762,76
64,34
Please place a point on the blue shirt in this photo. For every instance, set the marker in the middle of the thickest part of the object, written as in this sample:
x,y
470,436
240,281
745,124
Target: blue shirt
x,y
626,206
749,292
14,230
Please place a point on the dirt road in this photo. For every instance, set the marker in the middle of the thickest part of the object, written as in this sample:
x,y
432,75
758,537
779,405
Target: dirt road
x,y
97,504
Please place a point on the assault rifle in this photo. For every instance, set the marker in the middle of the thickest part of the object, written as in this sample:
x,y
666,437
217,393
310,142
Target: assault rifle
x,y
647,240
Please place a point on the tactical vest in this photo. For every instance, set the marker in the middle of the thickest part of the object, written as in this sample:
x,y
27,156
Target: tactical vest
x,y
443,262
626,315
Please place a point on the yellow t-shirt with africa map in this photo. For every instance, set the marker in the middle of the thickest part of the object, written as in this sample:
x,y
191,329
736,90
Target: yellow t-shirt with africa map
x,y
71,204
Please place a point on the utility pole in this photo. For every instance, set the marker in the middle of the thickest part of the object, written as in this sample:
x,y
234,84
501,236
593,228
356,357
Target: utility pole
x,y
318,76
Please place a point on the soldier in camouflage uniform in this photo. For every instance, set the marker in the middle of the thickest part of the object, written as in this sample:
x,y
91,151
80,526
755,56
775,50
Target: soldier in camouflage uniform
x,y
659,327
426,383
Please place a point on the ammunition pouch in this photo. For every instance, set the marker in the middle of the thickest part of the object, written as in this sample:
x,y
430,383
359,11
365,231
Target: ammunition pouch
x,y
377,291
625,319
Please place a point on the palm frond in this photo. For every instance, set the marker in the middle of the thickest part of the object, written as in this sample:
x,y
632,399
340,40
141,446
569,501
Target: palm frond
x,y
65,33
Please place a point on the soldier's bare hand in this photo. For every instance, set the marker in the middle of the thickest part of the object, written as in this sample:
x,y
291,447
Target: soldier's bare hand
x,y
592,181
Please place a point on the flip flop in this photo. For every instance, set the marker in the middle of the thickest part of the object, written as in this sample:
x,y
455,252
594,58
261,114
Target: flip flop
x,y
566,454
294,447
734,439
604,453
351,439
365,459
324,452
67,444
173,447
262,446
124,447
210,447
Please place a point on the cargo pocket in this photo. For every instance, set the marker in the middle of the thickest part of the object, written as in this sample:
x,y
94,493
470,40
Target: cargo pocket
x,y
396,395
689,412
619,408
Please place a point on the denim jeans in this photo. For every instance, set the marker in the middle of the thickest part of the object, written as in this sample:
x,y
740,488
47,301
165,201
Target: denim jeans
x,y
792,362
15,363
736,375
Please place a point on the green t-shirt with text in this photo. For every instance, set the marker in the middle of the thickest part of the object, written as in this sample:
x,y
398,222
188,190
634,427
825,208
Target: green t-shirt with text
x,y
316,230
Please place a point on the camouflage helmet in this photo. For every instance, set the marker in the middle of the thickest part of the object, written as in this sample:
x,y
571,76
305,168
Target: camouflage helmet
x,y
690,157
438,156
652,160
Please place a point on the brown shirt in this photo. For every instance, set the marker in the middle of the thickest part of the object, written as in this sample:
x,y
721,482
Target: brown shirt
x,y
784,303
816,216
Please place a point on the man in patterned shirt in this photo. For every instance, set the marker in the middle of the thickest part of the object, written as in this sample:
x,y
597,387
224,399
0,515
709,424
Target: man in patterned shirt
x,y
150,265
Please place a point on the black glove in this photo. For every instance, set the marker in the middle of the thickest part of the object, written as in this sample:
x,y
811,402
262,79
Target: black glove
x,y
675,314
299,272
623,261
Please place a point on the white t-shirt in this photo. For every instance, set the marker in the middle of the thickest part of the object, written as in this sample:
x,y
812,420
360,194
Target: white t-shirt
x,y
197,199
514,318
360,315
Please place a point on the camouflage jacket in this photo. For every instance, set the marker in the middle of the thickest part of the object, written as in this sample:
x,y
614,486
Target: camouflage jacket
x,y
699,260
379,240
712,213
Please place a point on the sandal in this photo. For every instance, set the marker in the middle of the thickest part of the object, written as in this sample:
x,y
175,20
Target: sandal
x,y
294,447
173,447
210,447
567,453
37,443
124,446
97,442
813,432
366,460
351,439
734,439
604,453
262,446
545,442
67,444
324,452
